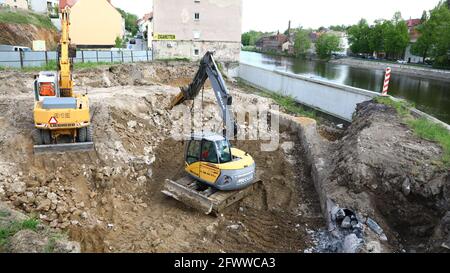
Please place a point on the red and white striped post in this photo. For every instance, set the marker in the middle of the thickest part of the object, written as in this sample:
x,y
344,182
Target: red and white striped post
x,y
387,78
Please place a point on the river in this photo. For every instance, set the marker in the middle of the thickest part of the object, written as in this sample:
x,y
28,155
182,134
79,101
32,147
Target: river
x,y
428,95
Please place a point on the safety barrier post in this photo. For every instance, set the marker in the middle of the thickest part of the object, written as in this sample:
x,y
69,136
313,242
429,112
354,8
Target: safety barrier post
x,y
387,79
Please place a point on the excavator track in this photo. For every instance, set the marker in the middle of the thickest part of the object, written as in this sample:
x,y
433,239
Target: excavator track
x,y
209,201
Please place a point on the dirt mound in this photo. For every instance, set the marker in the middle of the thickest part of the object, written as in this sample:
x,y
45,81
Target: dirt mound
x,y
380,156
25,34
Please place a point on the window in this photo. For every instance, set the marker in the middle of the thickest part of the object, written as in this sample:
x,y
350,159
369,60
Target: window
x,y
193,154
196,16
196,34
224,149
196,52
209,153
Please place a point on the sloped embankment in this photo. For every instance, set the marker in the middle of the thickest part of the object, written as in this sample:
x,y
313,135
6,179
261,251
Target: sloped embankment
x,y
25,34
399,177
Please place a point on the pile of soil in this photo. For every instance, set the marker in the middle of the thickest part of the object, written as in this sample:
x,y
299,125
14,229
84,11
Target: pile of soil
x,y
402,176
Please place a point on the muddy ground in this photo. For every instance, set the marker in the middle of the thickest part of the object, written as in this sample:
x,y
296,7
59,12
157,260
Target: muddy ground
x,y
110,199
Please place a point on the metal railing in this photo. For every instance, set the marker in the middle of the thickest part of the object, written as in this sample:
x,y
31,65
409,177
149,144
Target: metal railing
x,y
23,59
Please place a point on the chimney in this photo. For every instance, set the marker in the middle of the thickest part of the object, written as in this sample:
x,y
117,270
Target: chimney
x,y
289,28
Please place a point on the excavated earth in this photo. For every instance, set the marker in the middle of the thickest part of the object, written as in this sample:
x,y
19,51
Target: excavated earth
x,y
110,199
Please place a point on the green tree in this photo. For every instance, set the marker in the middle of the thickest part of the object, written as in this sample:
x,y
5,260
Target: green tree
x,y
118,42
437,33
302,42
327,44
358,36
245,38
130,21
376,36
396,37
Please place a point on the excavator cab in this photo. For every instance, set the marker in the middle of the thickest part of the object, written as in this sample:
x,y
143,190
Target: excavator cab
x,y
209,159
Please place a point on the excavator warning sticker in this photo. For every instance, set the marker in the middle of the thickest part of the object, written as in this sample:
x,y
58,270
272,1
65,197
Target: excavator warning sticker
x,y
53,120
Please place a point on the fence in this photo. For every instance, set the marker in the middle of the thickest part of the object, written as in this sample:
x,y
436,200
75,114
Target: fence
x,y
40,58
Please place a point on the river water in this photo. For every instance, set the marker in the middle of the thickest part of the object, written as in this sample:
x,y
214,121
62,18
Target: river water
x,y
428,95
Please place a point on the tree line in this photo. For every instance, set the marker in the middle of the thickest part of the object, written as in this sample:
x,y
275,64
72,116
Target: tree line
x,y
392,37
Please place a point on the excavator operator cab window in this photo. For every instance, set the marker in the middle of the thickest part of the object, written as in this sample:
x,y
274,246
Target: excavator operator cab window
x,y
46,89
224,149
193,153
209,153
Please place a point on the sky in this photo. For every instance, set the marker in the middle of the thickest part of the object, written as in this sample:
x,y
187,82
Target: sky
x,y
273,15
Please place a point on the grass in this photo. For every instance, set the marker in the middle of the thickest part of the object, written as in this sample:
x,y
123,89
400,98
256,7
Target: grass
x,y
51,66
434,132
25,17
402,107
422,127
288,103
6,232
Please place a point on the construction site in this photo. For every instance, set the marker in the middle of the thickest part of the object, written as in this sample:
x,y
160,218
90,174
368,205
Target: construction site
x,y
181,156
110,200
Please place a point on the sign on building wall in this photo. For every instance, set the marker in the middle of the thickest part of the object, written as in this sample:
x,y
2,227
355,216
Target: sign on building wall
x,y
39,45
164,37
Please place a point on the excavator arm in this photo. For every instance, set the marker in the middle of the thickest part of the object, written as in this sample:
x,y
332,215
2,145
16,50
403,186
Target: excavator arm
x,y
208,69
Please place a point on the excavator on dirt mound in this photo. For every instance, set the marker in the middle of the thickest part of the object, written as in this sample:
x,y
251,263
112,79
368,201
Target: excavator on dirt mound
x,y
217,174
62,119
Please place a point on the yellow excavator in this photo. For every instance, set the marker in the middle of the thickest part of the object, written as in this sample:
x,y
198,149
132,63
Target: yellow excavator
x,y
217,174
62,119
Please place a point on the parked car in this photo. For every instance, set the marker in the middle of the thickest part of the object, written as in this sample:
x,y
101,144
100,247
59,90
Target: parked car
x,y
402,62
132,41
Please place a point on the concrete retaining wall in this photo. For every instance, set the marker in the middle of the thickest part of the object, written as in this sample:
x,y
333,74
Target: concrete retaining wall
x,y
331,98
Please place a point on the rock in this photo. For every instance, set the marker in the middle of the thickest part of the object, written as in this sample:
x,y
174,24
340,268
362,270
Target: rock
x,y
142,180
44,205
340,214
27,241
63,246
406,187
17,187
52,197
351,244
84,215
374,226
373,247
131,124
234,227
346,223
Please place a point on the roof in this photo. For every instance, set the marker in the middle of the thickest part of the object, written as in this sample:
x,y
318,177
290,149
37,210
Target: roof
x,y
64,3
413,22
147,16
71,3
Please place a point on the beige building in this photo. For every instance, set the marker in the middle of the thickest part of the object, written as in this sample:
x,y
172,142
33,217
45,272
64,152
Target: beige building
x,y
95,24
189,28
18,4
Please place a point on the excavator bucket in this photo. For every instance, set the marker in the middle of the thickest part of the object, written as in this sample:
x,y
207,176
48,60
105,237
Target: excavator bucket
x,y
69,147
209,201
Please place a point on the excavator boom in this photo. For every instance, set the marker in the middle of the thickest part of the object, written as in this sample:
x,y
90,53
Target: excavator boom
x,y
209,69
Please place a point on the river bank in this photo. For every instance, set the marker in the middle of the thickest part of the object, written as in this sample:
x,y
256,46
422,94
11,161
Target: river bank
x,y
424,72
